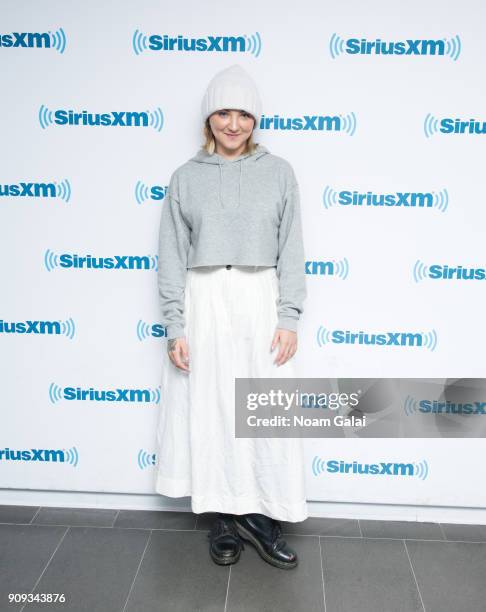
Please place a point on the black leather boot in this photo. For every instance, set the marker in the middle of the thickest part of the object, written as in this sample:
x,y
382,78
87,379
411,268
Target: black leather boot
x,y
224,542
265,535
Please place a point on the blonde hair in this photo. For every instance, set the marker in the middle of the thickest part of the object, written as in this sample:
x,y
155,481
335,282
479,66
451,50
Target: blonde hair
x,y
209,144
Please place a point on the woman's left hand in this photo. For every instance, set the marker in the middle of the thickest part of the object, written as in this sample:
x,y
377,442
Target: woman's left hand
x,y
288,345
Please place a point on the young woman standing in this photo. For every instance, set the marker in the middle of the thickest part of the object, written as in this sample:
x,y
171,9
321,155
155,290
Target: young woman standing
x,y
231,283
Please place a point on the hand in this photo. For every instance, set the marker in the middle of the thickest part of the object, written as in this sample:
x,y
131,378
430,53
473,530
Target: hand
x,y
288,345
178,353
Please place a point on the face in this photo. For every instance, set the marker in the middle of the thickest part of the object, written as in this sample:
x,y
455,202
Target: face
x,y
231,129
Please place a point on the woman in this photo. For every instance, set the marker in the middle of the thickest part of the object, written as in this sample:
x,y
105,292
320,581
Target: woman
x,y
231,284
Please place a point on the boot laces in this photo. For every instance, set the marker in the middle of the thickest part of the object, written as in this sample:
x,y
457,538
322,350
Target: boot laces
x,y
223,526
277,542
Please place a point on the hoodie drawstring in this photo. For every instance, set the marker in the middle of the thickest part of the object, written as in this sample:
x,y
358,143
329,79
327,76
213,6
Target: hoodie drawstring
x,y
239,182
221,182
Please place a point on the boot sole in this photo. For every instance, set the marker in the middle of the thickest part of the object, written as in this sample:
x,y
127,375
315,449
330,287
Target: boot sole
x,y
249,537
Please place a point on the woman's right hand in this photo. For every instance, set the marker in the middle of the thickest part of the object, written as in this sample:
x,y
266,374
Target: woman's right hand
x,y
178,353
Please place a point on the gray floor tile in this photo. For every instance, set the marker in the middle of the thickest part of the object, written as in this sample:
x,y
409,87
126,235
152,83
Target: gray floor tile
x,y
94,567
24,552
80,517
323,526
155,519
450,575
177,573
366,575
256,585
401,529
464,533
17,514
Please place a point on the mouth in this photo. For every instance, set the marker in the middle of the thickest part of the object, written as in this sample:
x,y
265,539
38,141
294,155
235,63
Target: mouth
x,y
232,135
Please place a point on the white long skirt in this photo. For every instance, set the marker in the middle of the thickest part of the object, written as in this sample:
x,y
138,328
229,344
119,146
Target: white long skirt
x,y
231,317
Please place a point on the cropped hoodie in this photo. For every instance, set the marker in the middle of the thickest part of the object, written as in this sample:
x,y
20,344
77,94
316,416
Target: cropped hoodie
x,y
243,211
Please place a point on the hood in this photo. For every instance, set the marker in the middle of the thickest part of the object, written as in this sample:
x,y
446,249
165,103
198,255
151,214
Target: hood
x,y
203,157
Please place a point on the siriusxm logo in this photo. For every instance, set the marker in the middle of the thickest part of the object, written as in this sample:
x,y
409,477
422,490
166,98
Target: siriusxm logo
x,y
146,459
345,336
50,328
447,125
422,271
333,267
117,262
42,40
338,466
326,123
145,119
57,393
426,406
60,190
420,46
143,192
208,44
44,455
398,199
149,330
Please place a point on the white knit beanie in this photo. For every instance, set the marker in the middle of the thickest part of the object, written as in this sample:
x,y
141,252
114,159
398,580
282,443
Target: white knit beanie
x,y
234,88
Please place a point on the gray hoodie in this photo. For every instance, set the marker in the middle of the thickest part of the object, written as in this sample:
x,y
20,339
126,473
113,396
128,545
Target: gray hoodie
x,y
243,211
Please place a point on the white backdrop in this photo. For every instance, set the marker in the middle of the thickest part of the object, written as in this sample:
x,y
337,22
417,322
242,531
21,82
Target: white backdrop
x,y
70,191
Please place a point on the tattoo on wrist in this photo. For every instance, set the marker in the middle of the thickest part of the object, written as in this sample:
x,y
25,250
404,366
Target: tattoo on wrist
x,y
171,344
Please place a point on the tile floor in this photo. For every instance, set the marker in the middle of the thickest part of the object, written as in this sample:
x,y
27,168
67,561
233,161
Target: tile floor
x,y
147,561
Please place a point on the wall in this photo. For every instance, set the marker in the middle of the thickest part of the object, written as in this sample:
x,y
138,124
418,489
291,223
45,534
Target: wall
x,y
69,191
